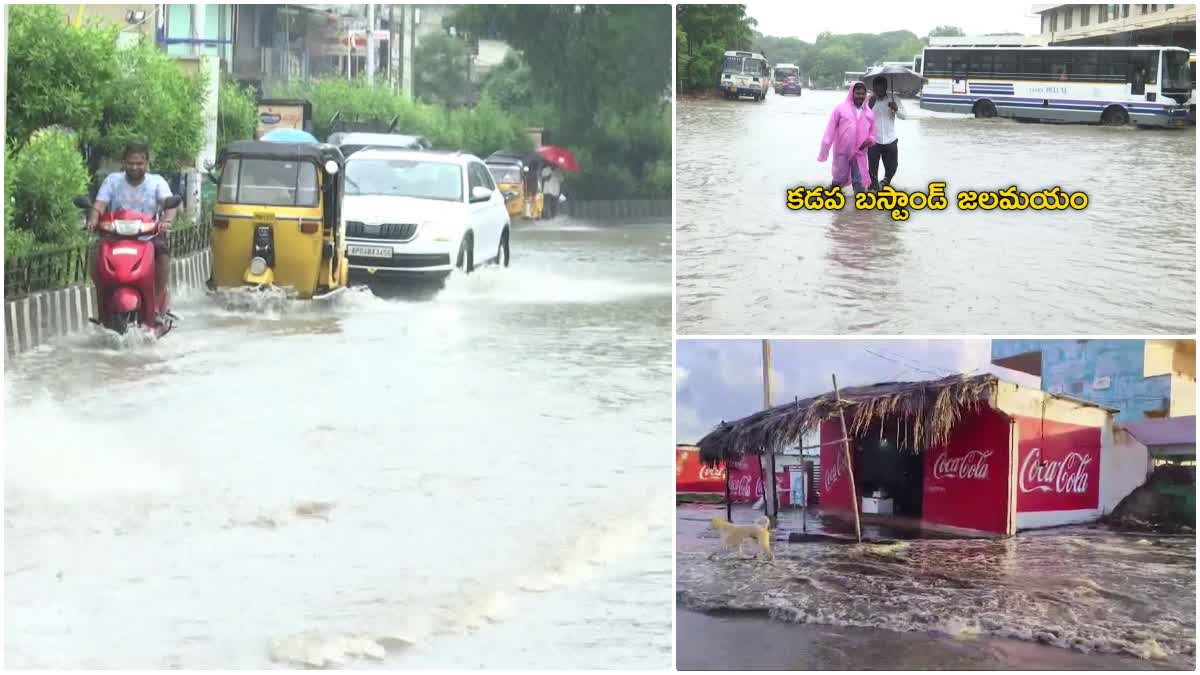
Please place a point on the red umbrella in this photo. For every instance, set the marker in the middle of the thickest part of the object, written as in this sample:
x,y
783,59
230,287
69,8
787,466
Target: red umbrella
x,y
560,157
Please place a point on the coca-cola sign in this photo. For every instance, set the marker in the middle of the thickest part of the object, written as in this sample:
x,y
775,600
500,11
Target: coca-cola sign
x,y
835,472
712,473
1068,475
1058,466
973,465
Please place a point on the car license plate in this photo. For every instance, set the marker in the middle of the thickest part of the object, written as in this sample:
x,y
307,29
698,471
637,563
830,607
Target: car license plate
x,y
369,251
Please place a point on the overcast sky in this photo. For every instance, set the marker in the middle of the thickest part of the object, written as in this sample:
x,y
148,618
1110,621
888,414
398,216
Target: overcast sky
x,y
806,20
722,379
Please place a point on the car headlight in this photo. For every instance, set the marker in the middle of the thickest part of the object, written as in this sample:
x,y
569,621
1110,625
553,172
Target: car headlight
x,y
438,231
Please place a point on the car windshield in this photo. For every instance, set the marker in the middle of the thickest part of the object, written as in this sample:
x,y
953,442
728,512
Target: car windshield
x,y
268,182
423,179
509,175
1176,73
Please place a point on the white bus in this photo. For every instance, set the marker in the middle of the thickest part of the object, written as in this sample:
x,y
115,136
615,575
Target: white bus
x,y
785,79
1110,85
745,74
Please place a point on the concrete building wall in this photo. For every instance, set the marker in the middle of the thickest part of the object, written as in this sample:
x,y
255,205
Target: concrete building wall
x,y
115,14
1109,372
1122,469
1183,395
1083,24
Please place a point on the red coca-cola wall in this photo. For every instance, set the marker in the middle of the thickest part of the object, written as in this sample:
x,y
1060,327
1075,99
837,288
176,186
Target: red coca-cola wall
x,y
745,485
692,476
835,479
1058,466
966,480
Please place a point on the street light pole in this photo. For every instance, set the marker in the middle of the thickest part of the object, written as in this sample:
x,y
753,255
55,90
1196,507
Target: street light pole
x,y
371,45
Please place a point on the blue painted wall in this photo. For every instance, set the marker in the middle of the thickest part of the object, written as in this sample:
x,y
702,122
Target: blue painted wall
x,y
1071,367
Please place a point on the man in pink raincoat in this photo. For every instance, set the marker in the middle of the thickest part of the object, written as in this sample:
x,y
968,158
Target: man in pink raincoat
x,y
851,130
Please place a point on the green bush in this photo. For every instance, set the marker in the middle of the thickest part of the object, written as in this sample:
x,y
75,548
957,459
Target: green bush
x,y
40,183
237,113
153,101
57,74
17,242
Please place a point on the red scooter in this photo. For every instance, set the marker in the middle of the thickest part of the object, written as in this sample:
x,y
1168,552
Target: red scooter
x,y
124,270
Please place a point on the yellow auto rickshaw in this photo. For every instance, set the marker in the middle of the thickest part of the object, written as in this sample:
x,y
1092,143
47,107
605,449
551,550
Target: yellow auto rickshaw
x,y
519,181
277,219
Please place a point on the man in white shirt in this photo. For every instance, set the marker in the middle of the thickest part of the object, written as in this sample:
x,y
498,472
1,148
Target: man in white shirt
x,y
886,111
551,188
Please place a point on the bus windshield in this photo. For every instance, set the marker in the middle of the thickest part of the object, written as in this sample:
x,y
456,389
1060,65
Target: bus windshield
x,y
743,65
1176,75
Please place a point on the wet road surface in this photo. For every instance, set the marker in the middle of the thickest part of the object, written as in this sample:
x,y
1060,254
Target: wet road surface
x,y
748,265
1084,589
470,480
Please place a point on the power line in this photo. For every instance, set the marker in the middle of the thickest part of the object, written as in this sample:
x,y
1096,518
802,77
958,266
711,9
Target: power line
x,y
909,365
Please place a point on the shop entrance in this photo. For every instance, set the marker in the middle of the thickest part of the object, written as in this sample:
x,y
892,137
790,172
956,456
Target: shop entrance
x,y
892,469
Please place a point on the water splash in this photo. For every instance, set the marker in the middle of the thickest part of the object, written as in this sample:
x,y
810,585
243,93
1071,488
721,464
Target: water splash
x,y
1078,588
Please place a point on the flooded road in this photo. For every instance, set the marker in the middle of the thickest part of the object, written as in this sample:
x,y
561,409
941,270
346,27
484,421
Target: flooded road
x,y
1086,590
748,264
474,480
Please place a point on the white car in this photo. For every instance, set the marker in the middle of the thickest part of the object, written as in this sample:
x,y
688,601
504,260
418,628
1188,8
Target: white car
x,y
422,212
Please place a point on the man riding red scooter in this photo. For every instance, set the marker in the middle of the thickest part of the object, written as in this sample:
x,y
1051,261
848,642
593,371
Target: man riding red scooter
x,y
133,256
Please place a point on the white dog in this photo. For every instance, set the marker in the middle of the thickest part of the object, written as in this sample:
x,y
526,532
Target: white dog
x,y
733,536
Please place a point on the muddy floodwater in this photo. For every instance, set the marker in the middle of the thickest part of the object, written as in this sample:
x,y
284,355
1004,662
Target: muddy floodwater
x,y
1104,599
473,479
748,264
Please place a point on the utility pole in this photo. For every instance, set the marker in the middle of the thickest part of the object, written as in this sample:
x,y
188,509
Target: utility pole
x,y
371,45
393,50
767,459
409,34
192,205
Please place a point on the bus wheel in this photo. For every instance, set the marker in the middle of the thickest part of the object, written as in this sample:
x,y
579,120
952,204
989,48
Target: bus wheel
x,y
1114,116
985,109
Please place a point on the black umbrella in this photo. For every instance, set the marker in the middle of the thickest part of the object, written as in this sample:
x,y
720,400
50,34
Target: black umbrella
x,y
895,72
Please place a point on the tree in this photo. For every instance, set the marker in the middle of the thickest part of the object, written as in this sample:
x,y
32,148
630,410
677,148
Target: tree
x,y
237,113
710,31
441,64
603,73
946,31
154,101
57,73
831,63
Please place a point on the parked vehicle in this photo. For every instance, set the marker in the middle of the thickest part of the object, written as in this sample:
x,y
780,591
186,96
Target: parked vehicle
x,y
124,271
745,74
350,142
1146,85
277,219
422,213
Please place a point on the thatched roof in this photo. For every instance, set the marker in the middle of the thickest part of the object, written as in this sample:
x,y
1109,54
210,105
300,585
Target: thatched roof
x,y
932,408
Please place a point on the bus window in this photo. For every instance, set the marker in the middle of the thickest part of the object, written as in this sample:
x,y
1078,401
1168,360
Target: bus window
x,y
1033,65
935,62
958,64
1117,67
1060,65
1086,62
733,64
1006,63
981,64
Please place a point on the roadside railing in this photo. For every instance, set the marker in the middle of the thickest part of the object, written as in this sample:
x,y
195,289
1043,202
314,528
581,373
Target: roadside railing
x,y
55,268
